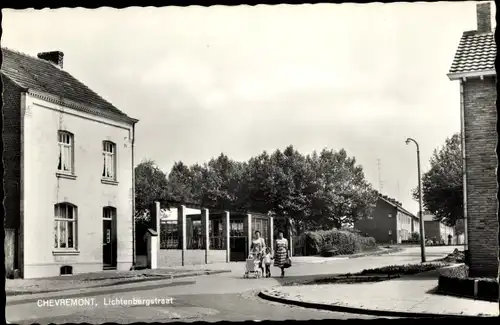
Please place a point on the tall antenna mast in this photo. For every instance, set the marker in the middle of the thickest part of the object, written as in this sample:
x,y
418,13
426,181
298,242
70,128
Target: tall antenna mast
x,y
380,183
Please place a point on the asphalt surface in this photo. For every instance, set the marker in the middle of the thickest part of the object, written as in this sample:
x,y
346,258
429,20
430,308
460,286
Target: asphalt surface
x,y
218,297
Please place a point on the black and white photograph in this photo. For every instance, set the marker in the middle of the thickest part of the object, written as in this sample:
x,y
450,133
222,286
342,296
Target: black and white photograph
x,y
323,161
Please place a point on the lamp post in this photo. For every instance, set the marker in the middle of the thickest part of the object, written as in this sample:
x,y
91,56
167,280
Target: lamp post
x,y
422,231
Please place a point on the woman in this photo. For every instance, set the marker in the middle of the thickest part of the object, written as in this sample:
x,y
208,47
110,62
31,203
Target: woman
x,y
258,248
281,252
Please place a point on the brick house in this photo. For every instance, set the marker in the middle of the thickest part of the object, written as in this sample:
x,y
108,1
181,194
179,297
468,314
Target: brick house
x,y
389,222
474,67
68,158
436,230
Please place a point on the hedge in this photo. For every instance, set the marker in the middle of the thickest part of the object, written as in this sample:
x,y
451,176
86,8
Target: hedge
x,y
336,242
456,281
408,269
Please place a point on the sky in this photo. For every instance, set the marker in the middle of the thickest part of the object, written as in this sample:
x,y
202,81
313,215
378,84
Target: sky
x,y
240,79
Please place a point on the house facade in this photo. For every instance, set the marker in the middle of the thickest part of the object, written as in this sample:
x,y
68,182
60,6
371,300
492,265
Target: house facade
x,y
474,69
69,172
389,222
438,231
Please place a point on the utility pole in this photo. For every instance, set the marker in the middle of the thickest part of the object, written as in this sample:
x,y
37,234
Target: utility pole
x,y
421,216
380,183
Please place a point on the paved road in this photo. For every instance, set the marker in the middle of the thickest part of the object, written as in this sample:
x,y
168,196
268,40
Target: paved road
x,y
225,296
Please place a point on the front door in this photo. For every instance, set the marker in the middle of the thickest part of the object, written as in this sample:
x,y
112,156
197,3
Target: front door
x,y
107,245
109,237
238,241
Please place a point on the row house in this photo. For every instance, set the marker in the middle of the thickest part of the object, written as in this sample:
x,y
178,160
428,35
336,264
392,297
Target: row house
x,y
69,172
389,222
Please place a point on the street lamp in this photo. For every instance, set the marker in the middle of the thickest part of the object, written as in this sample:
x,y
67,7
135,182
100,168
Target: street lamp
x,y
422,231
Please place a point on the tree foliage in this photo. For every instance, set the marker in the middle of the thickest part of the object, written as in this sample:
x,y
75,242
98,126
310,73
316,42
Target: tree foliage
x,y
320,190
442,185
150,185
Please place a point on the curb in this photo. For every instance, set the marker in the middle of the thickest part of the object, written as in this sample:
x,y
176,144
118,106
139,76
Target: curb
x,y
353,310
149,277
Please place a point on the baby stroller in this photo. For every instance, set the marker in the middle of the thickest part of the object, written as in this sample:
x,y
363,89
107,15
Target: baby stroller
x,y
252,267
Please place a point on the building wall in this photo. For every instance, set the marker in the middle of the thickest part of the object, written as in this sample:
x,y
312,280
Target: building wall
x,y
481,163
173,257
432,230
379,223
404,226
415,225
43,189
11,137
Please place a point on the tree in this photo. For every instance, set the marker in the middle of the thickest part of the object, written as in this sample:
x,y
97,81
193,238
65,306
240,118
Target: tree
x,y
442,185
259,185
181,183
342,194
222,178
150,185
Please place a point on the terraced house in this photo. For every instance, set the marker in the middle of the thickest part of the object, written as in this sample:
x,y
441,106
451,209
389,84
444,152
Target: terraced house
x,y
389,222
474,68
68,158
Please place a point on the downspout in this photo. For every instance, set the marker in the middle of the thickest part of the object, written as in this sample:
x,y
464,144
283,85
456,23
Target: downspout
x,y
133,197
464,169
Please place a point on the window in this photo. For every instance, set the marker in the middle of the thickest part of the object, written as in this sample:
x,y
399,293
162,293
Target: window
x,y
389,215
390,232
64,226
168,234
65,162
194,236
109,156
216,231
108,213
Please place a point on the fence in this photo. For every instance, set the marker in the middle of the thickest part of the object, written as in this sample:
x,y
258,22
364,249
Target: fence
x,y
169,235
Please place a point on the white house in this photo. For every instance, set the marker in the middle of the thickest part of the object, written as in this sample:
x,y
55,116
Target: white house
x,y
69,158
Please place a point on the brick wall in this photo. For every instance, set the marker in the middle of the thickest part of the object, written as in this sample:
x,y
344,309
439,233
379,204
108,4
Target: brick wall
x,y
11,137
481,163
379,223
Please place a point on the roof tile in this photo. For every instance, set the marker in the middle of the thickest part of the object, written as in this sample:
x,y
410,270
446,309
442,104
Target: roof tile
x,y
41,75
476,52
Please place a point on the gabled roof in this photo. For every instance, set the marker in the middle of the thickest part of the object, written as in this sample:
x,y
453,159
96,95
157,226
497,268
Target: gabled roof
x,y
43,76
475,56
399,207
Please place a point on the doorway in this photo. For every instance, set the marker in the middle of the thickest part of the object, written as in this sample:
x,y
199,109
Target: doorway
x,y
238,241
109,237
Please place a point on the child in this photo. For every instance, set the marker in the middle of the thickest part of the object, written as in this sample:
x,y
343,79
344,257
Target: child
x,y
267,262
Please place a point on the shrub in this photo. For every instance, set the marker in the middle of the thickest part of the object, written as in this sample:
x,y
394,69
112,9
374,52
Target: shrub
x,y
415,237
407,269
341,242
458,272
328,250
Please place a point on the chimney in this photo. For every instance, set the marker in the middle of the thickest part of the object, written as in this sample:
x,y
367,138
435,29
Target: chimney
x,y
55,57
483,11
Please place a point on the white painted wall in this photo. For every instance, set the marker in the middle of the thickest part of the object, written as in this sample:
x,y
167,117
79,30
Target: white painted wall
x,y
42,189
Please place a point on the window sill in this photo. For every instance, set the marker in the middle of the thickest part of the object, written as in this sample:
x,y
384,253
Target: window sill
x,y
109,182
66,252
64,175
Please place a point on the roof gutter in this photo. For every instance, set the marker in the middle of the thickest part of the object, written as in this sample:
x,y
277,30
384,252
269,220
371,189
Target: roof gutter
x,y
472,74
464,169
133,195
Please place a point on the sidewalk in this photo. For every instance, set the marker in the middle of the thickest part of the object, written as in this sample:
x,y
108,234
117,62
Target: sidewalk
x,y
409,296
15,287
